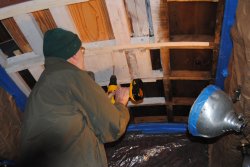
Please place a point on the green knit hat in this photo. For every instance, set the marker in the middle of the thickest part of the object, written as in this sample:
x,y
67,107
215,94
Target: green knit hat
x,y
60,43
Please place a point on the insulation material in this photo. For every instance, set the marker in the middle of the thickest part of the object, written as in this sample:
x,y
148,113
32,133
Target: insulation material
x,y
9,127
239,77
142,150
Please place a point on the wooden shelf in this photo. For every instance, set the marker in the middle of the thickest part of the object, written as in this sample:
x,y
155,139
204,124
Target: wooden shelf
x,y
191,38
185,101
190,75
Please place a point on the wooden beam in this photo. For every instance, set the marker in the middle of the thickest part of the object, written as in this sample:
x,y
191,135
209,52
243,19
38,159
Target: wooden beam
x,y
15,76
91,21
137,13
147,119
192,0
24,61
219,18
160,20
31,6
119,21
28,26
170,45
5,3
149,101
187,101
66,23
16,34
190,75
44,19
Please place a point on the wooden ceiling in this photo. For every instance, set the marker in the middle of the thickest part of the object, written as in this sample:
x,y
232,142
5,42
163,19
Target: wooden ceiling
x,y
171,43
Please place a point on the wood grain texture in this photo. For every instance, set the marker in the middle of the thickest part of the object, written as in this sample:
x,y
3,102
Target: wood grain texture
x,y
190,75
91,21
137,13
119,21
17,34
159,11
5,3
44,20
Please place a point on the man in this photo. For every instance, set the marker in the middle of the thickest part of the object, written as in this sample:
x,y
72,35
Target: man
x,y
68,116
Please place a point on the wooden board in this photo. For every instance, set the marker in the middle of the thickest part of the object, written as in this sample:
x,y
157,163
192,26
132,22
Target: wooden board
x,y
91,21
66,23
45,20
190,75
137,13
32,33
16,34
33,5
160,19
119,21
5,3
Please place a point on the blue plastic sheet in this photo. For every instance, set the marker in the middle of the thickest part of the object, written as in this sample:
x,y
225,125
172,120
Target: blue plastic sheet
x,y
7,84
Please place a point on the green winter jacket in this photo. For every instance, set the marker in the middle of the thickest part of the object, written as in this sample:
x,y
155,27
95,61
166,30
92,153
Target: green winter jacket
x,y
68,117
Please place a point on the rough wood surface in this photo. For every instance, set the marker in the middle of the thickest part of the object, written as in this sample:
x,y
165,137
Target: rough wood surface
x,y
33,5
138,14
5,3
17,34
91,21
119,21
44,20
160,20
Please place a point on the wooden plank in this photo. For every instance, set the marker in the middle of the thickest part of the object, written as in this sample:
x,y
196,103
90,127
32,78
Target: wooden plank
x,y
24,61
14,76
16,34
138,14
146,119
188,101
28,26
192,38
170,45
160,19
192,0
181,119
119,21
30,61
149,101
31,6
66,23
190,75
91,21
219,18
144,64
45,20
5,3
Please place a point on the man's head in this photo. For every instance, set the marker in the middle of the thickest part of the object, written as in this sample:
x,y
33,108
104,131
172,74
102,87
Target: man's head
x,y
63,44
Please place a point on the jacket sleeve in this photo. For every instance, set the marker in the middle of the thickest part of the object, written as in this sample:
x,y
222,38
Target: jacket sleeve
x,y
106,120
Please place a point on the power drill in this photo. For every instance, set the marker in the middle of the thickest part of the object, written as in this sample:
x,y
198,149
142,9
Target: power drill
x,y
135,89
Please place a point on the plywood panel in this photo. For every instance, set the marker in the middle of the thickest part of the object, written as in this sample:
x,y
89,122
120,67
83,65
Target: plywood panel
x,y
91,21
17,34
138,14
44,20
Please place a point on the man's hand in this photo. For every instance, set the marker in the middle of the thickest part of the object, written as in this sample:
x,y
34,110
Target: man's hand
x,y
122,95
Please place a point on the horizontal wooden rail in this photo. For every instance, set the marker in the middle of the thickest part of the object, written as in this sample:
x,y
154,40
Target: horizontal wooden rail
x,y
34,5
190,75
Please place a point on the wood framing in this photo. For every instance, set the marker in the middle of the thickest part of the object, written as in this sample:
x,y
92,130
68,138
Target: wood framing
x,y
34,5
149,101
66,23
16,34
44,19
119,21
91,21
137,13
190,75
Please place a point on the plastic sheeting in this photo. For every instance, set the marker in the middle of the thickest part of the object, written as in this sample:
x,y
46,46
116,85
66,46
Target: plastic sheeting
x,y
156,150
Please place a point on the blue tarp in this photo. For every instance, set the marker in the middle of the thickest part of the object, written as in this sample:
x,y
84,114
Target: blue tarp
x,y
8,85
